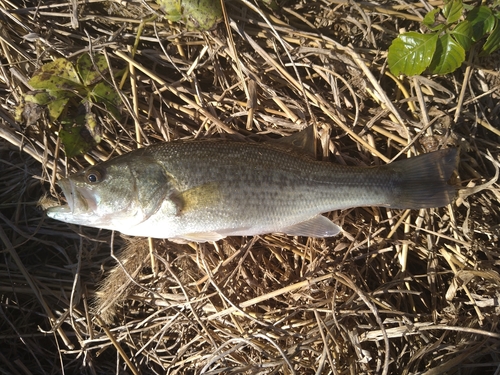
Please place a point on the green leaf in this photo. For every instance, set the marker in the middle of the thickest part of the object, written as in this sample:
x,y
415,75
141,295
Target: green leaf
x,y
58,75
55,104
197,14
463,34
482,20
172,9
103,93
453,10
91,72
92,126
69,95
31,107
56,107
449,56
75,137
34,104
430,20
411,53
492,42
40,97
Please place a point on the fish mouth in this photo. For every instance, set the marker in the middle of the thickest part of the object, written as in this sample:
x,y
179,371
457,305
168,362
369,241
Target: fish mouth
x,y
64,211
68,191
79,202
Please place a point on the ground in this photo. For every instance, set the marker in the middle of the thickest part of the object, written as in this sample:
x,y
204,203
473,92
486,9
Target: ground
x,y
398,292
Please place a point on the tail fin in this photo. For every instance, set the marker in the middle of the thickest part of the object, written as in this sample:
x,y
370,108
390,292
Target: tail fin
x,y
422,181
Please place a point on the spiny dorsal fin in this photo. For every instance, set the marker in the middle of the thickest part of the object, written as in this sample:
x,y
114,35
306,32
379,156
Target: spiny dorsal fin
x,y
305,140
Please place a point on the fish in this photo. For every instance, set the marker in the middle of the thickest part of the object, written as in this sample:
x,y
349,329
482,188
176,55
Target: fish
x,y
204,190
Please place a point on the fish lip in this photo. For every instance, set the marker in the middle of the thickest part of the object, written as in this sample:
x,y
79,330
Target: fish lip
x,y
81,204
63,211
79,200
68,189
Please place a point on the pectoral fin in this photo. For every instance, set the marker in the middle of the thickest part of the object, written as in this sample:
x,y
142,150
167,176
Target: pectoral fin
x,y
197,198
318,226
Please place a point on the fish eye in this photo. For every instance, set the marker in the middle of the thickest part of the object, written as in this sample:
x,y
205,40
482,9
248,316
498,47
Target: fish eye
x,y
94,176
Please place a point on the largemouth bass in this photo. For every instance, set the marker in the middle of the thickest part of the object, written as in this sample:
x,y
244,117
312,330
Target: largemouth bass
x,y
205,190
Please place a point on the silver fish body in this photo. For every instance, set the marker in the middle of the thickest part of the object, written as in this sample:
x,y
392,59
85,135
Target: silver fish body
x,y
204,190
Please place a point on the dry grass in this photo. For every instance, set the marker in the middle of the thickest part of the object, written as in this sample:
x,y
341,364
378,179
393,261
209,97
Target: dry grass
x,y
399,292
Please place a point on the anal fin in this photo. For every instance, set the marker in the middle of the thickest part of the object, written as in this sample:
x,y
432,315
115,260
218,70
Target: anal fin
x,y
318,226
198,237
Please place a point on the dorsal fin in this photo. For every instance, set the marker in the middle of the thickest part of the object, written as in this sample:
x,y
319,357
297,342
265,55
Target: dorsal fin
x,y
305,140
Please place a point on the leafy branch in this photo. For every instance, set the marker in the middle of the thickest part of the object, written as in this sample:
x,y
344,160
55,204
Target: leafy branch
x,y
454,29
72,96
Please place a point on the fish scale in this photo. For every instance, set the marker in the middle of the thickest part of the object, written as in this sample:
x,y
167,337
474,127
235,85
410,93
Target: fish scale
x,y
204,190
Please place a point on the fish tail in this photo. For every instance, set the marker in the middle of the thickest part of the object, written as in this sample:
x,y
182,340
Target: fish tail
x,y
423,181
